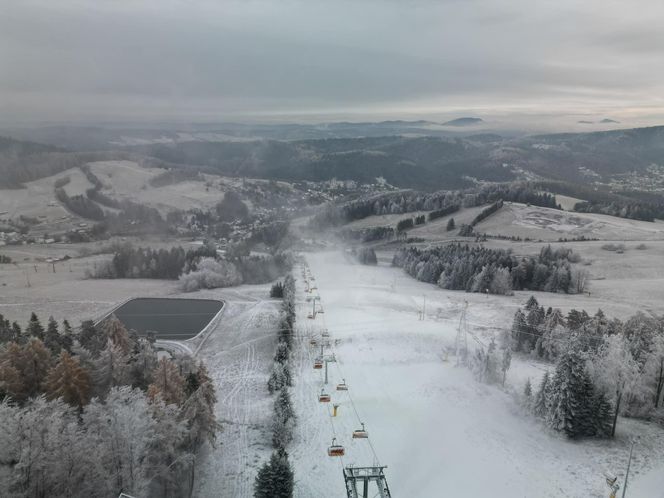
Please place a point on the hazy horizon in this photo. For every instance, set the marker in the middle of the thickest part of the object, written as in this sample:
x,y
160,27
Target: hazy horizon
x,y
519,65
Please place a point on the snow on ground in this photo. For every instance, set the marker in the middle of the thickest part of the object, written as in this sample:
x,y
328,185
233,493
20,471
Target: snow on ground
x,y
238,354
129,180
551,224
437,429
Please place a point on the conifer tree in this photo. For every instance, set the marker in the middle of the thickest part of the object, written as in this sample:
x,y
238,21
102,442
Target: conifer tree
x,y
92,338
167,383
52,337
110,369
116,332
284,420
17,335
541,403
35,328
69,381
571,396
528,391
66,337
35,363
519,330
275,478
199,415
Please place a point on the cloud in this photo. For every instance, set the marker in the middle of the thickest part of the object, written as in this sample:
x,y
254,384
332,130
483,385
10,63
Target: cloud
x,y
155,59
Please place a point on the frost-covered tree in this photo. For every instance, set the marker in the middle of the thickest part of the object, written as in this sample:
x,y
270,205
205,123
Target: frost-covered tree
x,y
122,429
32,361
519,330
69,381
283,421
198,412
211,274
654,369
142,362
506,361
275,478
109,369
165,463
92,338
167,383
576,407
616,372
278,378
528,392
501,283
116,332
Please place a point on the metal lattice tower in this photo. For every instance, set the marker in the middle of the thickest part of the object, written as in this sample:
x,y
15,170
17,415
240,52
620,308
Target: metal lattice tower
x,y
363,482
461,341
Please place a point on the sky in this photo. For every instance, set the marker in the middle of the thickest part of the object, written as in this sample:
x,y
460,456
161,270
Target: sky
x,y
313,60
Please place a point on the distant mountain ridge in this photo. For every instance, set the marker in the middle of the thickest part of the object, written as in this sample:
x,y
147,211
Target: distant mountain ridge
x,y
463,122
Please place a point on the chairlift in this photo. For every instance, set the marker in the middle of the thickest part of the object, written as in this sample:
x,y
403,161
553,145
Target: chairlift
x,y
323,397
336,450
311,316
318,364
313,342
360,433
342,386
320,310
325,334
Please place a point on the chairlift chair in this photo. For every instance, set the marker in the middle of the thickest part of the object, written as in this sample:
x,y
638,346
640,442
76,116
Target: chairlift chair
x,y
323,397
311,316
318,364
336,450
360,433
342,386
325,334
313,342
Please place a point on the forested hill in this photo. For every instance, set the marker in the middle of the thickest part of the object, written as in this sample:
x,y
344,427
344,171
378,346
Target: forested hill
x,y
421,162
424,163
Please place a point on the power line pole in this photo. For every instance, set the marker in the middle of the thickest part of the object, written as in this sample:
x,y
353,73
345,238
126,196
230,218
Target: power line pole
x,y
629,463
461,341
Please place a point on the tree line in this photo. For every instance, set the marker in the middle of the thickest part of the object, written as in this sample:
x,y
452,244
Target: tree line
x,y
603,367
623,209
441,203
479,269
275,478
93,412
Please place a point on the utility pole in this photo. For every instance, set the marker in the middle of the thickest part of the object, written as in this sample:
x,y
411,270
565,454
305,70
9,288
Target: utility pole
x,y
461,341
629,463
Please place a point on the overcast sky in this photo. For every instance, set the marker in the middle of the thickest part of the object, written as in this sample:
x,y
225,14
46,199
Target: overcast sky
x,y
310,60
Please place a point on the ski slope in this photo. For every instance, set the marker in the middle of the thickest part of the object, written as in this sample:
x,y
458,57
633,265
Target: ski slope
x,y
440,432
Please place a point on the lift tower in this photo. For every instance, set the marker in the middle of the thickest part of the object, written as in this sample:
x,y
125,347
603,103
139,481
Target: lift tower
x,y
362,482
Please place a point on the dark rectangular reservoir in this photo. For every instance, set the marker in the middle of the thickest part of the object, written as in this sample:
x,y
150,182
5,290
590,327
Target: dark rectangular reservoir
x,y
168,318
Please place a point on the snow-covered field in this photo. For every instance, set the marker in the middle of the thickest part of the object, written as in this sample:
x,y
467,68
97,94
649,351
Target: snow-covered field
x,y
435,427
439,431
